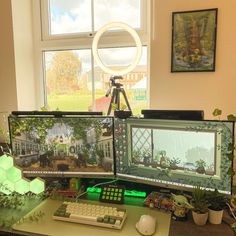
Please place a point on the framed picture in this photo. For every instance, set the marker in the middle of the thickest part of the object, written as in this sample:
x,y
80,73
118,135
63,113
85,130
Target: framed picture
x,y
194,40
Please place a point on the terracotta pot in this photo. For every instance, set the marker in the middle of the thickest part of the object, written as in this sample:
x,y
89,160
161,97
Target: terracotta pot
x,y
215,217
200,218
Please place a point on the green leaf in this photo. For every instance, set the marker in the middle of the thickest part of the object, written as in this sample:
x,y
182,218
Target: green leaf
x,y
43,108
231,172
217,112
123,106
231,117
114,106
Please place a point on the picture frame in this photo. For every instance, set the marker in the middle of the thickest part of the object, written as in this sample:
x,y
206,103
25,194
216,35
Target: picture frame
x,y
194,40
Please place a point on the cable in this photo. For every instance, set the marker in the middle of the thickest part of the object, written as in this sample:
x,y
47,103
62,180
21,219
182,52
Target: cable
x,y
109,182
231,210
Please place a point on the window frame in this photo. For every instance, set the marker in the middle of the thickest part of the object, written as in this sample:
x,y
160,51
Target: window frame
x,y
44,6
45,42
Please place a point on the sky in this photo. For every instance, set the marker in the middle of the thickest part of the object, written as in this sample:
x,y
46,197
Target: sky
x,y
70,16
73,16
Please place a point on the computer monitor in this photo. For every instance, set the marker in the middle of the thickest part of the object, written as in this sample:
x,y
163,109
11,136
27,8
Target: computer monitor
x,y
175,153
63,146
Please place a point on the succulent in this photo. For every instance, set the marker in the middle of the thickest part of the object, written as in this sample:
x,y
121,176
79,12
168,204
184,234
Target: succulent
x,y
199,200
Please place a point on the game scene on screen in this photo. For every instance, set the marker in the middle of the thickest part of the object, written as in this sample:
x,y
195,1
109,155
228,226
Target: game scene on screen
x,y
174,149
67,144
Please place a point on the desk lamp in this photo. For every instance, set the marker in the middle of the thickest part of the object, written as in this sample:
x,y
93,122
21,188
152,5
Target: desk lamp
x,y
116,74
11,179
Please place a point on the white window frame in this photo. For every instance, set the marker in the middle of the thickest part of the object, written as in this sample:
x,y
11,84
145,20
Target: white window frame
x,y
76,41
142,31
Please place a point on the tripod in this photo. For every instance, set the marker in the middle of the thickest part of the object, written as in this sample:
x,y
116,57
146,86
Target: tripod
x,y
115,96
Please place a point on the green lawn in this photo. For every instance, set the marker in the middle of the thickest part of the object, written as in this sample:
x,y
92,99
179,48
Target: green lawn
x,y
82,101
70,102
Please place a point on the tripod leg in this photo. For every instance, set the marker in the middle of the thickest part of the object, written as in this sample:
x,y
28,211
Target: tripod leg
x,y
118,98
113,98
126,99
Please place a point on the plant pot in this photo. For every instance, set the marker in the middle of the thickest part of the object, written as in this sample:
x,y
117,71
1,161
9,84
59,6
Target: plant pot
x,y
200,170
200,218
173,166
122,114
215,217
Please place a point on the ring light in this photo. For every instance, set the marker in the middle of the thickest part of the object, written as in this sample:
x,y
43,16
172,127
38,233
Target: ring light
x,y
134,35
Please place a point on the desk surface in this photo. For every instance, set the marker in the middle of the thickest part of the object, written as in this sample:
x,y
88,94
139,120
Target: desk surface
x,y
48,226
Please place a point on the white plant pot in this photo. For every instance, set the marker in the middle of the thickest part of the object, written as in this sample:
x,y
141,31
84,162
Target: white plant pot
x,y
215,217
200,218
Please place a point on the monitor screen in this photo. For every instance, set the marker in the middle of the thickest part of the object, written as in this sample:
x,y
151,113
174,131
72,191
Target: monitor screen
x,y
63,146
175,153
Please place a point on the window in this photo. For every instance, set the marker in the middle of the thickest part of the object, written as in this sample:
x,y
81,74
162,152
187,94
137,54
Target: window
x,y
72,80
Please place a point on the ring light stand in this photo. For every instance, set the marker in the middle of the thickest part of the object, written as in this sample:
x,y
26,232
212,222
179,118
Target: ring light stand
x,y
117,74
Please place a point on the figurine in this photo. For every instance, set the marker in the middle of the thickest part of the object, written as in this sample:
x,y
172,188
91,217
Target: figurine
x,y
180,207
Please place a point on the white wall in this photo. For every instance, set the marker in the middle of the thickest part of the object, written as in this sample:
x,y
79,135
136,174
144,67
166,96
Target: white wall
x,y
24,54
8,94
199,90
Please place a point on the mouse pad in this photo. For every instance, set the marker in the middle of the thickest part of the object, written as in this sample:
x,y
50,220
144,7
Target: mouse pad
x,y
48,226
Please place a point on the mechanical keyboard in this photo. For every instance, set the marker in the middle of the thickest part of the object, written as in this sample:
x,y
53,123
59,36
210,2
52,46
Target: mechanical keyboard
x,y
91,214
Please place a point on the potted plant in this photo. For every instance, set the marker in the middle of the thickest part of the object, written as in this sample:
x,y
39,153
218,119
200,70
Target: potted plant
x,y
217,202
200,166
174,163
136,156
121,112
163,159
200,206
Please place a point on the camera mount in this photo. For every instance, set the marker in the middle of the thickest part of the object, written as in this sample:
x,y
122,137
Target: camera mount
x,y
116,89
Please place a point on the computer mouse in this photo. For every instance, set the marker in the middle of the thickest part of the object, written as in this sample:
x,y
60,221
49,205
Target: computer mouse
x,y
146,225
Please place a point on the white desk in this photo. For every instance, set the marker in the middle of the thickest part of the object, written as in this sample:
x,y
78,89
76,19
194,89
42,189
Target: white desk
x,y
48,226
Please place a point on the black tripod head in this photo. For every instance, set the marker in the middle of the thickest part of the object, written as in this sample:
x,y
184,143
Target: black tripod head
x,y
113,83
116,94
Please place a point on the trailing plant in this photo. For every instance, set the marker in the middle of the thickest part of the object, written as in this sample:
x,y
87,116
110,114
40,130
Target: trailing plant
x,y
218,112
230,151
12,200
35,217
8,222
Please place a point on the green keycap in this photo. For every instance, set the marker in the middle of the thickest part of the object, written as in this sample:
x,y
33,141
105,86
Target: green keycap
x,y
99,219
112,221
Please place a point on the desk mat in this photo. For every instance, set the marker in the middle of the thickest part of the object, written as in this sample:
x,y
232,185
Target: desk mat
x,y
48,226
